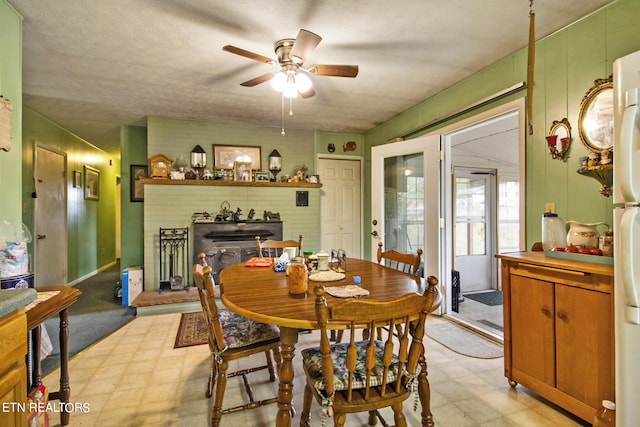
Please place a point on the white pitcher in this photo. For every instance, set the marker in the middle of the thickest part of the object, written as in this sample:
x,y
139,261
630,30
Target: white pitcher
x,y
584,234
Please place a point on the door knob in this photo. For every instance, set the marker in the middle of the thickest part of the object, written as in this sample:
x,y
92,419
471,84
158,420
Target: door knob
x,y
41,236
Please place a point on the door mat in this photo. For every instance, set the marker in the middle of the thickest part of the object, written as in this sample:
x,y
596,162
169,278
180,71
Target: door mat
x,y
488,298
192,330
463,341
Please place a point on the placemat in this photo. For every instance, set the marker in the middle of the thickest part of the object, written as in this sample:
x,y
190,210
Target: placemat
x,y
349,291
326,276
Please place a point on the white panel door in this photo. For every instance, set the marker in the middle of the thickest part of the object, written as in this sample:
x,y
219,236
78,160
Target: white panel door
x,y
405,199
340,205
50,235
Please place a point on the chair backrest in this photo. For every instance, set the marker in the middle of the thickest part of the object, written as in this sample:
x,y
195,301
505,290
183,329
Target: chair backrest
x,y
408,263
406,314
207,292
274,248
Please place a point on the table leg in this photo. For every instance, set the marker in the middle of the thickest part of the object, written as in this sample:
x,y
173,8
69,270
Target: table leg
x,y
63,393
36,370
288,340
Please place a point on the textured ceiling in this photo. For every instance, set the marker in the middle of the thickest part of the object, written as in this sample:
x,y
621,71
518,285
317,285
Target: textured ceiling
x,y
93,66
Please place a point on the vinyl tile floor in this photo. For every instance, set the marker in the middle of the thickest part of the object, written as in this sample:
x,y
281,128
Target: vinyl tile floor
x,y
134,377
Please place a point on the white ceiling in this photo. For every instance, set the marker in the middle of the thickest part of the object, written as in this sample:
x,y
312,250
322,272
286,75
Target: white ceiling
x,y
92,66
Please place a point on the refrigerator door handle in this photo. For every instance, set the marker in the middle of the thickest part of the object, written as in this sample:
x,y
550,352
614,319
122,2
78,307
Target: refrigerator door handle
x,y
629,149
629,239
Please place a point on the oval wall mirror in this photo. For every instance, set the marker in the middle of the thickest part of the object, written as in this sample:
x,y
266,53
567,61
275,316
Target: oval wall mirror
x,y
595,121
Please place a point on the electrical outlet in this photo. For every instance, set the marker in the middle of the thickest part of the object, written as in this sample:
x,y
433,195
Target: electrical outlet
x,y
550,207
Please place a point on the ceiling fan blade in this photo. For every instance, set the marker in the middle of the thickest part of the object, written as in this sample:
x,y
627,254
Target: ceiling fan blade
x,y
256,81
308,94
305,43
334,70
247,54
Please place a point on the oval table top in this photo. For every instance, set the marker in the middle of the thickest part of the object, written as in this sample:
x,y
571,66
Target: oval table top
x,y
261,294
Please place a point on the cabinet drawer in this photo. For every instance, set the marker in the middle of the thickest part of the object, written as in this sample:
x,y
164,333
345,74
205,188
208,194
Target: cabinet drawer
x,y
581,279
13,338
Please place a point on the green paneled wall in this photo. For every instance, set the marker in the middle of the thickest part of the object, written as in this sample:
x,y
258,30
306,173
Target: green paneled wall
x,y
11,89
566,65
91,225
133,151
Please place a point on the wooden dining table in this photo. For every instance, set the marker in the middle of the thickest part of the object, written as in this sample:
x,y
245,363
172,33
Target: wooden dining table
x,y
261,294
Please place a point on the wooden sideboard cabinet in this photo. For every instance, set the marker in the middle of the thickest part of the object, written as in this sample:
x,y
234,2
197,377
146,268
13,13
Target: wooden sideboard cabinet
x,y
13,371
558,329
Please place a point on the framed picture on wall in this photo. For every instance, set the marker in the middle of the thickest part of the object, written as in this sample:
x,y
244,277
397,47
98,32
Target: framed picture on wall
x,y
242,171
224,156
91,183
137,188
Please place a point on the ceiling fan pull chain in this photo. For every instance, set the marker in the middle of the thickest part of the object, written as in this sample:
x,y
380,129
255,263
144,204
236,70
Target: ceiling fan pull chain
x,y
282,131
291,106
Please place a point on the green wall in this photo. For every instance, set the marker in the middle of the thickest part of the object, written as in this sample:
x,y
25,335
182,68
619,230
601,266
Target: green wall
x,y
566,65
91,225
11,89
133,151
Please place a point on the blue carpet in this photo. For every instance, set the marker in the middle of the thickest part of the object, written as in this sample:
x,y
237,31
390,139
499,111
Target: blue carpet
x,y
96,314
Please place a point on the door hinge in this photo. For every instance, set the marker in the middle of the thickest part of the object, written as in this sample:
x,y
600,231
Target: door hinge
x,y
441,222
441,155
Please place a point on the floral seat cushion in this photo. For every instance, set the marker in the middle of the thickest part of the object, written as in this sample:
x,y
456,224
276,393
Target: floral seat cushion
x,y
312,361
240,331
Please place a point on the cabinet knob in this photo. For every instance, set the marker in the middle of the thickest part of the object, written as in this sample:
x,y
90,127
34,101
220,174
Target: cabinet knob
x,y
546,312
563,316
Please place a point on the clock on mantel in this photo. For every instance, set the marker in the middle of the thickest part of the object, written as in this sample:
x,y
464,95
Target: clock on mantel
x,y
160,166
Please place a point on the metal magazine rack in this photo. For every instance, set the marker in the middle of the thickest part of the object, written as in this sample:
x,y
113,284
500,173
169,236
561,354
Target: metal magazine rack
x,y
174,259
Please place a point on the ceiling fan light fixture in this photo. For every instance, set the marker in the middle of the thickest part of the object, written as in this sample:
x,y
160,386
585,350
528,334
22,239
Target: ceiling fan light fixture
x,y
290,89
278,81
303,83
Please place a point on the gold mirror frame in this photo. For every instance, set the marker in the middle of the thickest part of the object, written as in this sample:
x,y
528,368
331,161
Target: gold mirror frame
x,y
559,139
595,121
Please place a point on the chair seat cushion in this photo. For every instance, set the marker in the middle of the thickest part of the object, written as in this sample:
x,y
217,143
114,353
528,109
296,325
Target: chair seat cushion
x,y
240,331
312,364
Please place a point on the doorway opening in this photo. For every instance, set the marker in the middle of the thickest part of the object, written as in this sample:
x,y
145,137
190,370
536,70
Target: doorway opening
x,y
484,211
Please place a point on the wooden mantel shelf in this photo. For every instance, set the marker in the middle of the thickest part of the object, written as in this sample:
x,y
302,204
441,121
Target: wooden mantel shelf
x,y
220,182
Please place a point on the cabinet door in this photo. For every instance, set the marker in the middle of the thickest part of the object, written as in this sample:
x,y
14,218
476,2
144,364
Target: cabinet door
x,y
583,330
532,328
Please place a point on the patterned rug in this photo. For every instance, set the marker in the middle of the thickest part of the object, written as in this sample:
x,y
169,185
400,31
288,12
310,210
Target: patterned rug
x,y
192,330
463,341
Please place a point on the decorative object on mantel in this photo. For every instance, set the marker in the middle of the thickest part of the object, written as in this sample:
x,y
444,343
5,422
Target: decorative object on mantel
x,y
275,164
198,160
181,163
559,138
241,171
271,216
6,109
349,146
160,166
299,174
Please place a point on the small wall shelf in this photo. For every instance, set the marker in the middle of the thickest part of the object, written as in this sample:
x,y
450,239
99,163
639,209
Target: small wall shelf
x,y
220,182
603,174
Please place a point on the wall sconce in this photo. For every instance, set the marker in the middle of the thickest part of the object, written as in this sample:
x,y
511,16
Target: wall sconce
x,y
275,164
559,139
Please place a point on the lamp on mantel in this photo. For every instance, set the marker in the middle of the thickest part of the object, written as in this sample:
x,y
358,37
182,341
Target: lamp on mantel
x,y
199,160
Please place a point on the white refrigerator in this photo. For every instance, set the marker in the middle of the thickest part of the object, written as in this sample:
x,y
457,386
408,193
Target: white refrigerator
x,y
626,176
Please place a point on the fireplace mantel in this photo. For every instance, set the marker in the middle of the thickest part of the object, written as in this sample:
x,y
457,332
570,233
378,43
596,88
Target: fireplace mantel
x,y
220,182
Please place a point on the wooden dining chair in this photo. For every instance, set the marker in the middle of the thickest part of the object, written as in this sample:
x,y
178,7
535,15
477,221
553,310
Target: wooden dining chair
x,y
368,375
407,263
233,337
273,248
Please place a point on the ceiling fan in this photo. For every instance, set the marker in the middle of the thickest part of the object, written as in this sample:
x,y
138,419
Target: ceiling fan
x,y
292,78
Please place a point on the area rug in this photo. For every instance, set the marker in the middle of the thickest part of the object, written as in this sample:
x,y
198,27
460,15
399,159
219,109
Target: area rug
x,y
488,298
463,341
192,330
